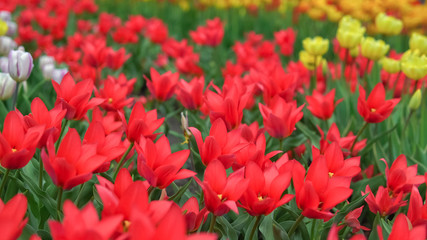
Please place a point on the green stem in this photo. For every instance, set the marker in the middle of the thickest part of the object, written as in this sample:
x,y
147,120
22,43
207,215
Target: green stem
x,y
258,219
357,136
122,160
4,180
64,125
406,124
59,203
295,226
149,191
212,225
15,95
193,167
313,225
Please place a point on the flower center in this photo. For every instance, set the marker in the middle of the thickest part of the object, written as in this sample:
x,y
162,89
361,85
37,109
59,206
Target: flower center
x,y
110,100
373,110
260,198
331,174
14,149
220,196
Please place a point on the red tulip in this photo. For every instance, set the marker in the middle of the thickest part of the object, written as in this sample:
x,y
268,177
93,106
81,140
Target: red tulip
x,y
383,203
403,230
123,197
75,97
227,104
17,143
194,217
322,106
222,192
108,145
318,193
209,35
50,119
158,165
162,86
74,162
190,94
12,214
351,220
220,144
265,189
83,224
337,165
116,59
400,177
376,109
141,123
417,211
280,118
345,143
156,30
114,95
333,234
285,39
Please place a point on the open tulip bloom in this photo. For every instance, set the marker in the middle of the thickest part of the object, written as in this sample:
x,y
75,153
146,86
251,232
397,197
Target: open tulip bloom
x,y
213,120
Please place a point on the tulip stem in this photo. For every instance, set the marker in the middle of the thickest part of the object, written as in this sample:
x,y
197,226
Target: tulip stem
x,y
255,227
192,166
59,203
122,160
3,182
406,124
295,226
79,194
357,136
212,225
15,95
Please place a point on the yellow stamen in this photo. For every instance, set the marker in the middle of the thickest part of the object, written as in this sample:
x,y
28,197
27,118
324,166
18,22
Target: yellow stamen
x,y
331,174
14,150
110,100
220,196
373,110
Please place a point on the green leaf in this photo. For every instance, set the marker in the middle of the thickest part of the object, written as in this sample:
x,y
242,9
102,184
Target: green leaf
x,y
228,230
314,139
177,196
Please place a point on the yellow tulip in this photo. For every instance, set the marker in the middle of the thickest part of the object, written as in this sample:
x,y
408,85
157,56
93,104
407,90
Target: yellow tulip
x,y
418,41
388,25
390,65
350,38
415,67
374,49
309,61
316,46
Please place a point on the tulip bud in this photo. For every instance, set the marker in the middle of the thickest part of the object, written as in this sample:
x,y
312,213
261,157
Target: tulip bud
x,y
390,65
415,67
4,64
350,38
184,126
7,86
316,46
348,23
374,49
415,101
47,71
6,45
3,28
388,25
418,41
5,16
46,60
20,65
11,28
58,74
